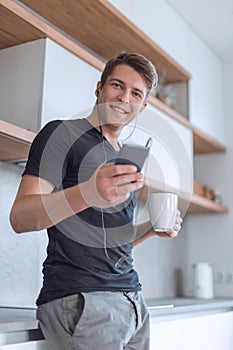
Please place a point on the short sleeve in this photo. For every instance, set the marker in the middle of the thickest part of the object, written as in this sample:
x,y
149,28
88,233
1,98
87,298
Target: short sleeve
x,y
49,153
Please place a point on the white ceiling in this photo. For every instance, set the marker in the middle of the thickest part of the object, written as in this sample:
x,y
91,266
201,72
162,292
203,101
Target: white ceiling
x,y
212,20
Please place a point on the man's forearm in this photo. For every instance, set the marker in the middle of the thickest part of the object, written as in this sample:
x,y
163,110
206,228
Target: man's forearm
x,y
36,212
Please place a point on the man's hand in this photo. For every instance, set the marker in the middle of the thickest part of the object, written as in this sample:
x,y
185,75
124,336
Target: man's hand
x,y
176,229
110,185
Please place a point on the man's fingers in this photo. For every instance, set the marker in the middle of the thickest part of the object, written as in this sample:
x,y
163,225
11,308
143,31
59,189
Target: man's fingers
x,y
129,187
111,169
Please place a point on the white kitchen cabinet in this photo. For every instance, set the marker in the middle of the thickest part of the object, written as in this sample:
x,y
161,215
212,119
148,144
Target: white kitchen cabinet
x,y
210,332
166,335
32,345
206,89
204,332
41,81
21,84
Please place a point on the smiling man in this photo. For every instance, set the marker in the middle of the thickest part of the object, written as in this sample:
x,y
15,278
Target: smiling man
x,y
124,94
91,295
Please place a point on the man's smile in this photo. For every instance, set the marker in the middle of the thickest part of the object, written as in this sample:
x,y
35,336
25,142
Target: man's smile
x,y
119,109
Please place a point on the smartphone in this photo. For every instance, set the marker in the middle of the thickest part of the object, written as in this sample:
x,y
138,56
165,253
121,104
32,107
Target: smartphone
x,y
133,154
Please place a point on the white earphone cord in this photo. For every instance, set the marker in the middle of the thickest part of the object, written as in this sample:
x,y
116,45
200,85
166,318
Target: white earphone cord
x,y
105,161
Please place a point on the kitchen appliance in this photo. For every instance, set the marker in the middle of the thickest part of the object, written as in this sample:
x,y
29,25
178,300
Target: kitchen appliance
x,y
203,280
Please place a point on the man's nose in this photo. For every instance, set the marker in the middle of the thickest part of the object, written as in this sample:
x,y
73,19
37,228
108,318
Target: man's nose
x,y
125,96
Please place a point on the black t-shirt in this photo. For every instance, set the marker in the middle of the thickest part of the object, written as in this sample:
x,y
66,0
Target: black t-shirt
x,y
92,250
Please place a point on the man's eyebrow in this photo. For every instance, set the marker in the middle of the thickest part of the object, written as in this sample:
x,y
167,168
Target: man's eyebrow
x,y
122,82
116,79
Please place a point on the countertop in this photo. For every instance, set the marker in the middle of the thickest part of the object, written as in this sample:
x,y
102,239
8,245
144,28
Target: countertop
x,y
14,319
187,306
21,319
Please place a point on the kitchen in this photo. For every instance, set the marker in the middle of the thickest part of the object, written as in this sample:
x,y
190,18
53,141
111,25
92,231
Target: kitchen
x,y
204,237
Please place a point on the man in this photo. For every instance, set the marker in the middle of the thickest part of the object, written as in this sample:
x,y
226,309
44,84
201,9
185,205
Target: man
x,y
71,186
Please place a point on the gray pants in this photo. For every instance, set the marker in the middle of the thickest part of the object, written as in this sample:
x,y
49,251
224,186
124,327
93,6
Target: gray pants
x,y
96,321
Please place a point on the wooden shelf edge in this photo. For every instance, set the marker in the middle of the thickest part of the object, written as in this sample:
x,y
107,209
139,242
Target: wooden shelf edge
x,y
203,143
16,132
202,205
14,142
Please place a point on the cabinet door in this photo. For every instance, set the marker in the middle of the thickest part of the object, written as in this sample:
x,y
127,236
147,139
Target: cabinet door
x,y
21,83
211,332
33,345
206,97
166,335
36,90
69,85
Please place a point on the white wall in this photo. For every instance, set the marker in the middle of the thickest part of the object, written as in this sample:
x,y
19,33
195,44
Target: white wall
x,y
210,237
159,262
21,256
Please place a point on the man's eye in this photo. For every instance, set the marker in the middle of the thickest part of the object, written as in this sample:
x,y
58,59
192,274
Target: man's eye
x,y
117,85
137,94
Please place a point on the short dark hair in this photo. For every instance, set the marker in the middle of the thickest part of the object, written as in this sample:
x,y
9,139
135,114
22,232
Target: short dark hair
x,y
136,61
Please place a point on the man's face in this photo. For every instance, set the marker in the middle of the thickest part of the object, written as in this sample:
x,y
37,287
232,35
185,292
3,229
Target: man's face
x,y
122,97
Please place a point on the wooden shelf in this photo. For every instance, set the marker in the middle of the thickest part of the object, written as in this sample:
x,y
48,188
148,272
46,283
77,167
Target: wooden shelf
x,y
202,205
204,143
98,25
14,142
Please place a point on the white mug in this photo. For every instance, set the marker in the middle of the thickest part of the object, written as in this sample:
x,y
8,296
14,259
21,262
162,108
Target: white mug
x,y
162,209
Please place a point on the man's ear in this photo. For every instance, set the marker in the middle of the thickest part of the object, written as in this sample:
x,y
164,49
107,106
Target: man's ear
x,y
98,87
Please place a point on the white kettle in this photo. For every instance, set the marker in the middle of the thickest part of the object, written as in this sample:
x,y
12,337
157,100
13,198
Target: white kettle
x,y
203,280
